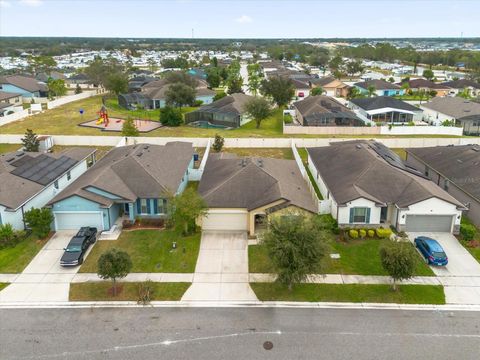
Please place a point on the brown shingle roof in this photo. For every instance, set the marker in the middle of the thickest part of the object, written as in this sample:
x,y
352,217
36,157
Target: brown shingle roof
x,y
232,182
378,84
456,107
6,95
320,104
23,82
354,169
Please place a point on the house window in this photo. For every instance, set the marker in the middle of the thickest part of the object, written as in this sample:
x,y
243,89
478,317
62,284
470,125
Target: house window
x,y
69,175
143,206
161,206
359,215
446,184
55,184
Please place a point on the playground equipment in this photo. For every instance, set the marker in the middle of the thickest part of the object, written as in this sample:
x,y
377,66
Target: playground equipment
x,y
103,116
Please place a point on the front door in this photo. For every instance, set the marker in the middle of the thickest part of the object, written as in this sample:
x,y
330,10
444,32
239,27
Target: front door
x,y
126,209
383,214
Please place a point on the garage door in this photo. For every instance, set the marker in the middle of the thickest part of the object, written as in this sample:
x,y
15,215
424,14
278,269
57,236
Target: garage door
x,y
75,220
226,220
429,223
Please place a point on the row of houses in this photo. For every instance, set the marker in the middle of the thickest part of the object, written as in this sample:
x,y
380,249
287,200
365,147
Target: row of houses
x,y
363,184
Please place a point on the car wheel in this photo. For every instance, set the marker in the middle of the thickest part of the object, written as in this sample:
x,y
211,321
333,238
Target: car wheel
x,y
426,260
80,261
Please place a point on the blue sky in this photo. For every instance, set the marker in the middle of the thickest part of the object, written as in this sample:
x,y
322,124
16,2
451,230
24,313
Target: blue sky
x,y
240,19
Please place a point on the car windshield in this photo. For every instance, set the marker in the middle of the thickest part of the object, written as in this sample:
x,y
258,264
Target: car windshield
x,y
73,248
438,254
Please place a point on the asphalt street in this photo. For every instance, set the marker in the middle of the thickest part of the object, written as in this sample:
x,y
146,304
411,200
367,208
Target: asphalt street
x,y
237,333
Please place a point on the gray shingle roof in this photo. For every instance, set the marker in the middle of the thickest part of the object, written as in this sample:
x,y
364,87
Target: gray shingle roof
x,y
16,190
460,164
378,84
354,169
380,102
456,107
231,104
321,104
226,183
135,171
6,95
23,82
461,84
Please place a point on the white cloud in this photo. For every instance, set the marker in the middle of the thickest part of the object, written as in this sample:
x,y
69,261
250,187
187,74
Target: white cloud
x,y
5,4
31,2
244,19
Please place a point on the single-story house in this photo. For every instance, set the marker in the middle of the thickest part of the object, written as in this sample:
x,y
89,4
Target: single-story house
x,y
30,180
331,86
136,83
14,99
80,79
456,169
242,193
382,88
465,113
368,185
134,180
302,88
322,110
28,87
427,86
228,111
457,86
386,110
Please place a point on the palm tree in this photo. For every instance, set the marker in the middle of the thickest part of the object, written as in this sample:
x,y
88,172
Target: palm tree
x,y
371,91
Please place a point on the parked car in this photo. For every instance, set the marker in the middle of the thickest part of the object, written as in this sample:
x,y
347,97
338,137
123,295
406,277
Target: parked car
x,y
431,250
78,246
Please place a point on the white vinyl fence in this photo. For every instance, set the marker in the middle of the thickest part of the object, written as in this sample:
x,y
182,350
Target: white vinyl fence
x,y
18,115
68,99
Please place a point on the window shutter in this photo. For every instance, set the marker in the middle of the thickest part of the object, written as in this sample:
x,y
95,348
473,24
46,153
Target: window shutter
x,y
139,207
351,215
367,220
155,206
148,206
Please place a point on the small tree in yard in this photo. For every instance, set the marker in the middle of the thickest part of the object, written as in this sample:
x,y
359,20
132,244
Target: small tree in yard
x,y
129,128
170,116
39,220
30,141
399,260
114,264
316,91
296,246
259,109
218,143
185,208
78,89
179,95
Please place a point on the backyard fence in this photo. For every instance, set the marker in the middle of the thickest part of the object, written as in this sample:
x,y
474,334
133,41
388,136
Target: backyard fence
x,y
68,99
18,115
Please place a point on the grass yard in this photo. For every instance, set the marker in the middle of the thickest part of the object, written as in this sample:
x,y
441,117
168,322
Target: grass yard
x,y
99,291
6,148
275,153
406,294
150,251
15,259
3,286
101,150
475,251
357,257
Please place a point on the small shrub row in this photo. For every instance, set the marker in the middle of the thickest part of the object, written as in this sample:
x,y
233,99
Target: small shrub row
x,y
371,233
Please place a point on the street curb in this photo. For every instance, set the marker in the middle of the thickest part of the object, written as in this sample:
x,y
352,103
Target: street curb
x,y
230,304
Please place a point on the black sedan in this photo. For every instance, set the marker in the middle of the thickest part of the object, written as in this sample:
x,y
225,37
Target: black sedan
x,y
77,247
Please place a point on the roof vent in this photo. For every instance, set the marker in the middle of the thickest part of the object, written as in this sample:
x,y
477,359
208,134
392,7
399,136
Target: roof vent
x,y
244,163
460,161
260,162
139,154
145,147
474,149
358,146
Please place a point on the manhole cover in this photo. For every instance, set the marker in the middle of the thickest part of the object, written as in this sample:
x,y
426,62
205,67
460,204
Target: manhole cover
x,y
158,265
268,345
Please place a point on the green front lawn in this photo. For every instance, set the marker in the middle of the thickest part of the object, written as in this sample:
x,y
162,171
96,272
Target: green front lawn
x,y
150,251
15,259
406,294
3,286
99,291
357,257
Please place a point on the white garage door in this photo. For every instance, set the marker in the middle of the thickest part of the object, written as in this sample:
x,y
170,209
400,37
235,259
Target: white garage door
x,y
429,223
226,220
75,220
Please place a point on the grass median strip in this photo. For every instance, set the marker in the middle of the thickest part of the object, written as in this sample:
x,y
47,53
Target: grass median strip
x,y
150,251
100,291
406,294
3,286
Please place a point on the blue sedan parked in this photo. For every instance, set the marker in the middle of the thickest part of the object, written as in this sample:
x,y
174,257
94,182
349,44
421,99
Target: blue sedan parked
x,y
431,250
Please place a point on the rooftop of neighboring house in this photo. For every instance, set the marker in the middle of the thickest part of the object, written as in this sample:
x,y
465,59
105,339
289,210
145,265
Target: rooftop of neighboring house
x,y
131,172
327,80
381,102
460,164
138,81
24,174
79,76
23,82
300,84
367,169
322,105
231,104
6,95
229,181
156,89
378,85
462,84
424,83
55,75
456,107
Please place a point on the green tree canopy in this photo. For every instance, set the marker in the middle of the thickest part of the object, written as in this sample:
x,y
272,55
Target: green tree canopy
x,y
39,220
428,74
30,141
56,87
259,109
185,209
280,89
317,91
399,259
179,95
129,128
114,264
175,77
171,116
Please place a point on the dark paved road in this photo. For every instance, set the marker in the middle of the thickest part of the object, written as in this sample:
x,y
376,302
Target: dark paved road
x,y
237,333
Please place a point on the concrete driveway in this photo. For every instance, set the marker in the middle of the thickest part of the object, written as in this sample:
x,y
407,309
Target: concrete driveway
x,y
461,277
221,273
44,279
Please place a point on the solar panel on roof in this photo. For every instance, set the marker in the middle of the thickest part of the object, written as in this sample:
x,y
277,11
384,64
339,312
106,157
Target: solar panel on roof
x,y
43,169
